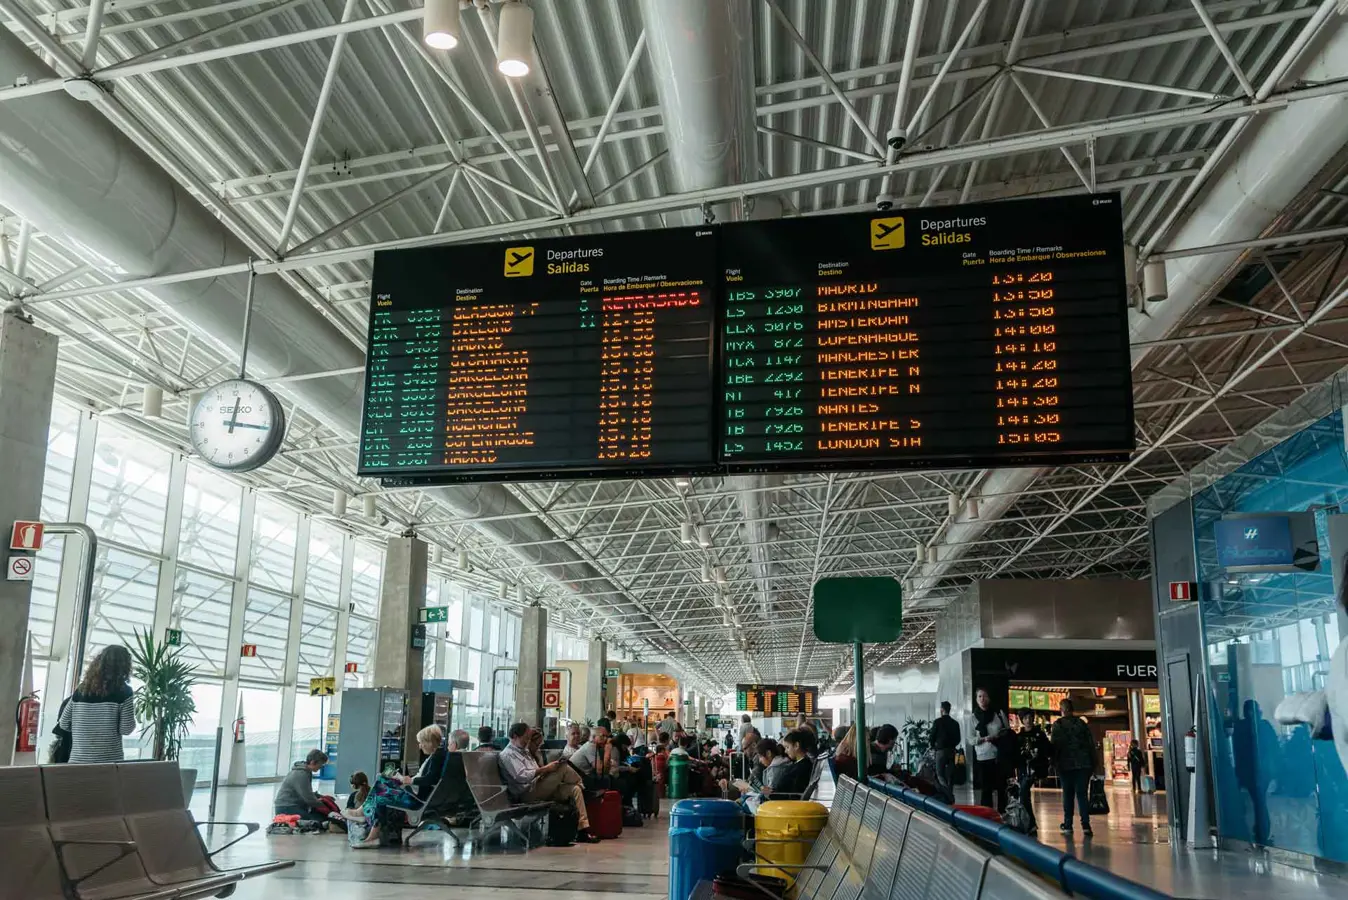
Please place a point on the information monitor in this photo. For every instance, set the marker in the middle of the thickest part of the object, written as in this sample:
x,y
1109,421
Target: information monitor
x,y
581,356
991,334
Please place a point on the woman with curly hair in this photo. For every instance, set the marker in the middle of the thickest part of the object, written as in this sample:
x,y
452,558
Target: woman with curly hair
x,y
102,710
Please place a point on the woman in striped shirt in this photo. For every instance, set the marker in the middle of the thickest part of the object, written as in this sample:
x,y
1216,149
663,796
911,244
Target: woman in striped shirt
x,y
102,710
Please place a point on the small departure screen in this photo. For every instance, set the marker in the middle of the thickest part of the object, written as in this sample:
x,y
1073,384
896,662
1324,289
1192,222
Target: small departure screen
x,y
992,334
776,699
587,355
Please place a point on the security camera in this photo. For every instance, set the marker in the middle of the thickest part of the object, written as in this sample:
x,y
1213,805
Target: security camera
x,y
884,202
897,137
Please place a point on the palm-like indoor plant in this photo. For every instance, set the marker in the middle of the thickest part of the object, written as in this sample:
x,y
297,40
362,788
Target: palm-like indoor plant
x,y
164,704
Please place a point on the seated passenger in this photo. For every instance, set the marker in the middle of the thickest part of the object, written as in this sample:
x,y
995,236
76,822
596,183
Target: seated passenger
x,y
772,765
573,740
535,746
795,780
459,741
528,782
360,789
591,760
295,796
392,794
485,736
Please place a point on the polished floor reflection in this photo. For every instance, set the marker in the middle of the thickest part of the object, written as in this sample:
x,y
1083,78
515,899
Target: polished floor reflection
x,y
1133,840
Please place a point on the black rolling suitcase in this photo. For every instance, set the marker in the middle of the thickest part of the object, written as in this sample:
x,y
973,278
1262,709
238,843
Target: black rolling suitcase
x,y
563,825
1095,797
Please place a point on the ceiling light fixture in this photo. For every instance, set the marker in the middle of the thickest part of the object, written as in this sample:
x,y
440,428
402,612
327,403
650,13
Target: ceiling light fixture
x,y
464,563
704,535
440,24
686,533
371,506
515,40
682,482
338,504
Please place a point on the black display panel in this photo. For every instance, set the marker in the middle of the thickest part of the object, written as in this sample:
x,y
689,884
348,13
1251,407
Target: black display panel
x,y
587,355
992,334
777,699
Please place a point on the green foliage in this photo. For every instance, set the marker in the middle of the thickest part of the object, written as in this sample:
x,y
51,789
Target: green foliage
x,y
917,739
164,703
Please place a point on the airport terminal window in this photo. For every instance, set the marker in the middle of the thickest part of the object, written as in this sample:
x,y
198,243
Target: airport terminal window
x,y
59,475
129,493
266,626
308,723
262,722
454,623
275,530
201,604
125,585
476,619
494,636
209,536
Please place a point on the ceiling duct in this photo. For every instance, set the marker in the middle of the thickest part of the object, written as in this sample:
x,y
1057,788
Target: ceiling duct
x,y
73,175
703,55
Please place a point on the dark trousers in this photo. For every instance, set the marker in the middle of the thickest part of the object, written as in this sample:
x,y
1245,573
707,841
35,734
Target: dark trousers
x,y
945,770
1025,784
1137,779
992,779
1075,783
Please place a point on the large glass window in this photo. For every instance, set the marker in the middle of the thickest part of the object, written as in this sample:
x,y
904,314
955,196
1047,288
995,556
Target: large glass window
x,y
129,493
201,604
210,521
59,475
266,623
125,585
262,727
365,585
275,530
307,733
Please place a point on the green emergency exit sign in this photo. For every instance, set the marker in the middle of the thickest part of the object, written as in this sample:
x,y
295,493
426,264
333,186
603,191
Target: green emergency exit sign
x,y
429,614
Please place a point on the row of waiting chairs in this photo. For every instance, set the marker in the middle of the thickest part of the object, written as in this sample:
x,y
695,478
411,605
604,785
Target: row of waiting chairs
x,y
876,848
108,832
471,797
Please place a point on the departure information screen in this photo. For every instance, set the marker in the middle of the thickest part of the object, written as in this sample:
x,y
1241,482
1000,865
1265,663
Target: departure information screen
x,y
965,335
583,355
776,699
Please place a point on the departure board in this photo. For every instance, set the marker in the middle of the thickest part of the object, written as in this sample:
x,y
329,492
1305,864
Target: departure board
x,y
586,355
993,334
776,699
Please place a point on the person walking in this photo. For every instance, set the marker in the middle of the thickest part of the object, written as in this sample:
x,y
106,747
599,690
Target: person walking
x,y
1032,757
1075,752
989,724
102,710
1136,762
945,739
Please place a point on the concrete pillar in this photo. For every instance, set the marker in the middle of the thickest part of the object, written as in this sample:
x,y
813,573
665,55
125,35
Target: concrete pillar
x,y
27,379
397,664
533,660
592,706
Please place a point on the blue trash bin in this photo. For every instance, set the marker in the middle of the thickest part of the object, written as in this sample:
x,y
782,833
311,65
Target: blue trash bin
x,y
706,839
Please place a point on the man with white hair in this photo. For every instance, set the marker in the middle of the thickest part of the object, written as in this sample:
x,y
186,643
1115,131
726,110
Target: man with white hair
x,y
459,741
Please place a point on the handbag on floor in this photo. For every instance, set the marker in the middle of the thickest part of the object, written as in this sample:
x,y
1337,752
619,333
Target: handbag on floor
x,y
1018,817
563,824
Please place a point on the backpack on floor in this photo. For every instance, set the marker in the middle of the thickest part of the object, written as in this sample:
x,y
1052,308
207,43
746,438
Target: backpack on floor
x,y
1018,817
1148,784
1095,797
563,825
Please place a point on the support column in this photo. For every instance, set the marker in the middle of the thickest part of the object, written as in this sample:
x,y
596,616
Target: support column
x,y
229,695
27,380
397,664
592,703
533,660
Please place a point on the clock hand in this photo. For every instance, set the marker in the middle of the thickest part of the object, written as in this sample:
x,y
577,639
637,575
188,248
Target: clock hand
x,y
234,425
234,419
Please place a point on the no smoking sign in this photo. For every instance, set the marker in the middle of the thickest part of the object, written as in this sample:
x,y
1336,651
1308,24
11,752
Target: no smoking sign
x,y
20,569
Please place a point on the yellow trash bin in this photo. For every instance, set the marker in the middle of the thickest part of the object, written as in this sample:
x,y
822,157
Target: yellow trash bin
x,y
784,832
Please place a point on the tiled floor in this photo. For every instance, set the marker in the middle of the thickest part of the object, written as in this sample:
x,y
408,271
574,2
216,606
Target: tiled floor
x,y
1133,841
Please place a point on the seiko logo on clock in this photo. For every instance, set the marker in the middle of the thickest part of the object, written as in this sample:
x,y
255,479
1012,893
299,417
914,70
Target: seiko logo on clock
x,y
230,409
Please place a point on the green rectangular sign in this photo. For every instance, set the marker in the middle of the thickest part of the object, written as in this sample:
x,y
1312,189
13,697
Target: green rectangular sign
x,y
612,672
173,637
428,614
1019,700
858,610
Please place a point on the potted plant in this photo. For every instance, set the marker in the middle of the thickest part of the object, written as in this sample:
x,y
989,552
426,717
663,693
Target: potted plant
x,y
164,703
916,739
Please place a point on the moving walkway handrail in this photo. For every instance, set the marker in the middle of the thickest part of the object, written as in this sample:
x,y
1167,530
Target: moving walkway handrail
x,y
1075,876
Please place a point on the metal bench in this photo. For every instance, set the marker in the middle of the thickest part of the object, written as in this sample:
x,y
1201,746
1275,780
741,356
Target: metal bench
x,y
496,811
451,800
107,832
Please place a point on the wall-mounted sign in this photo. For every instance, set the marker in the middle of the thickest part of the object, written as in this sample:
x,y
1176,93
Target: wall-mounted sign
x,y
322,687
612,672
352,668
248,650
552,699
429,614
1181,590
26,536
20,569
552,680
173,637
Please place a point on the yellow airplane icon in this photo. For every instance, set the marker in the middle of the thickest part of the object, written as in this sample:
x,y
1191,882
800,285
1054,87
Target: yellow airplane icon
x,y
887,233
519,262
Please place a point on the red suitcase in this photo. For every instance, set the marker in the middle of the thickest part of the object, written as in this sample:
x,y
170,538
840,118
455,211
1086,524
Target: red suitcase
x,y
606,814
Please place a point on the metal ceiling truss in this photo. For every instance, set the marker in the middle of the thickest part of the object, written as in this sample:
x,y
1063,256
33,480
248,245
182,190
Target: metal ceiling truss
x,y
1000,102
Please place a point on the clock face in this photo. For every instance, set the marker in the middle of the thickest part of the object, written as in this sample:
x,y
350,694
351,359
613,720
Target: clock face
x,y
237,425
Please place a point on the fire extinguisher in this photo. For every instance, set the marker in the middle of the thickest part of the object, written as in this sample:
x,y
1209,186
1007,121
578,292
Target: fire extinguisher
x,y
238,730
1190,749
26,717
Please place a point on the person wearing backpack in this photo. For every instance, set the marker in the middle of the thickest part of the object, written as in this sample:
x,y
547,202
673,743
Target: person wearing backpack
x,y
1075,752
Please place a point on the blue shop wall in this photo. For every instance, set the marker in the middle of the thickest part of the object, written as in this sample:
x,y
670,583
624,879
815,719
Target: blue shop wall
x,y
1268,635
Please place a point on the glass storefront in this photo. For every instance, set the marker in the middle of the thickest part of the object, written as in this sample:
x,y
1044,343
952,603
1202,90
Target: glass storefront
x,y
1268,634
